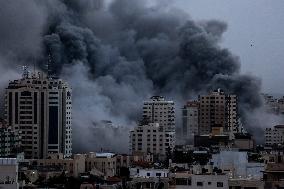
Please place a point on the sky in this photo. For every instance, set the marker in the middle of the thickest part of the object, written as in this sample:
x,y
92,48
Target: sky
x,y
255,34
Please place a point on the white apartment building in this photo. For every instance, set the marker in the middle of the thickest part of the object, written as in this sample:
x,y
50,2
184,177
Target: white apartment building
x,y
275,135
149,173
41,108
9,173
158,110
190,119
151,138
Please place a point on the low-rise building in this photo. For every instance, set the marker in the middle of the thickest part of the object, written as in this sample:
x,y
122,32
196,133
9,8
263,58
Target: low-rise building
x,y
273,176
72,166
103,162
149,173
243,141
185,180
245,183
9,173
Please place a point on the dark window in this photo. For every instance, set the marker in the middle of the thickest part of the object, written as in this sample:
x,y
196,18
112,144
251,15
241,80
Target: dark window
x,y
199,183
181,181
219,184
26,93
35,108
52,147
53,98
53,125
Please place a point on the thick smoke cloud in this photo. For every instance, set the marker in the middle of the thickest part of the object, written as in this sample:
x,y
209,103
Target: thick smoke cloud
x,y
118,54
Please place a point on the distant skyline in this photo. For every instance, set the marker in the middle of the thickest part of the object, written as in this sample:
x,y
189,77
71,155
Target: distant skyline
x,y
255,34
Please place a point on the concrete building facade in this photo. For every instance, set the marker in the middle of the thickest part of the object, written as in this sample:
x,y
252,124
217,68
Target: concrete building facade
x,y
151,138
200,181
10,142
41,108
275,135
158,110
9,173
190,114
217,108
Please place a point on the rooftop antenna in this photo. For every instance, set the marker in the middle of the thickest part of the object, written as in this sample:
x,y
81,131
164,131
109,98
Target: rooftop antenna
x,y
49,62
25,74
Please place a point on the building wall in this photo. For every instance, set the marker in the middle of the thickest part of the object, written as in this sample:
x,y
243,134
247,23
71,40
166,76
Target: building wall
x,y
217,108
73,166
151,138
105,164
8,173
149,173
158,110
190,119
202,182
236,164
10,142
274,135
245,144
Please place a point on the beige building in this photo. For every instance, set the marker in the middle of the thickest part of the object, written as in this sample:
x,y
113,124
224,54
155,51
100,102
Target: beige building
x,y
190,114
73,166
150,137
217,108
41,108
275,135
158,110
103,163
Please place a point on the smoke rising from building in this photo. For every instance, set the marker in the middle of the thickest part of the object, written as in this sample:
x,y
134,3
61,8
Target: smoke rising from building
x,y
119,54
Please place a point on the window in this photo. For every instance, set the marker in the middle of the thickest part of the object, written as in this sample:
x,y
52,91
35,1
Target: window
x,y
148,174
181,181
209,183
219,184
199,183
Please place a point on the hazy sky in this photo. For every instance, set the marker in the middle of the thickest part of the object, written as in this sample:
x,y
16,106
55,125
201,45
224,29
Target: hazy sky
x,y
255,33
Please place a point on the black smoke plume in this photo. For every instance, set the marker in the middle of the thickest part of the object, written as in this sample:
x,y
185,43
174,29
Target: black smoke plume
x,y
117,54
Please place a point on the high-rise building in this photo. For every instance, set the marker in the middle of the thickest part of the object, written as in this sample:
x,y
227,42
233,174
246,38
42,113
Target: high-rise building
x,y
217,109
151,138
41,108
158,110
190,114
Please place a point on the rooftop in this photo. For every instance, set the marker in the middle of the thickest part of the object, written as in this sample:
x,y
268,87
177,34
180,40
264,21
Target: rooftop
x,y
8,161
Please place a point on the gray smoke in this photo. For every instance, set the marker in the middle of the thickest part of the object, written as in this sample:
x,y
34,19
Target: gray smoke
x,y
118,54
